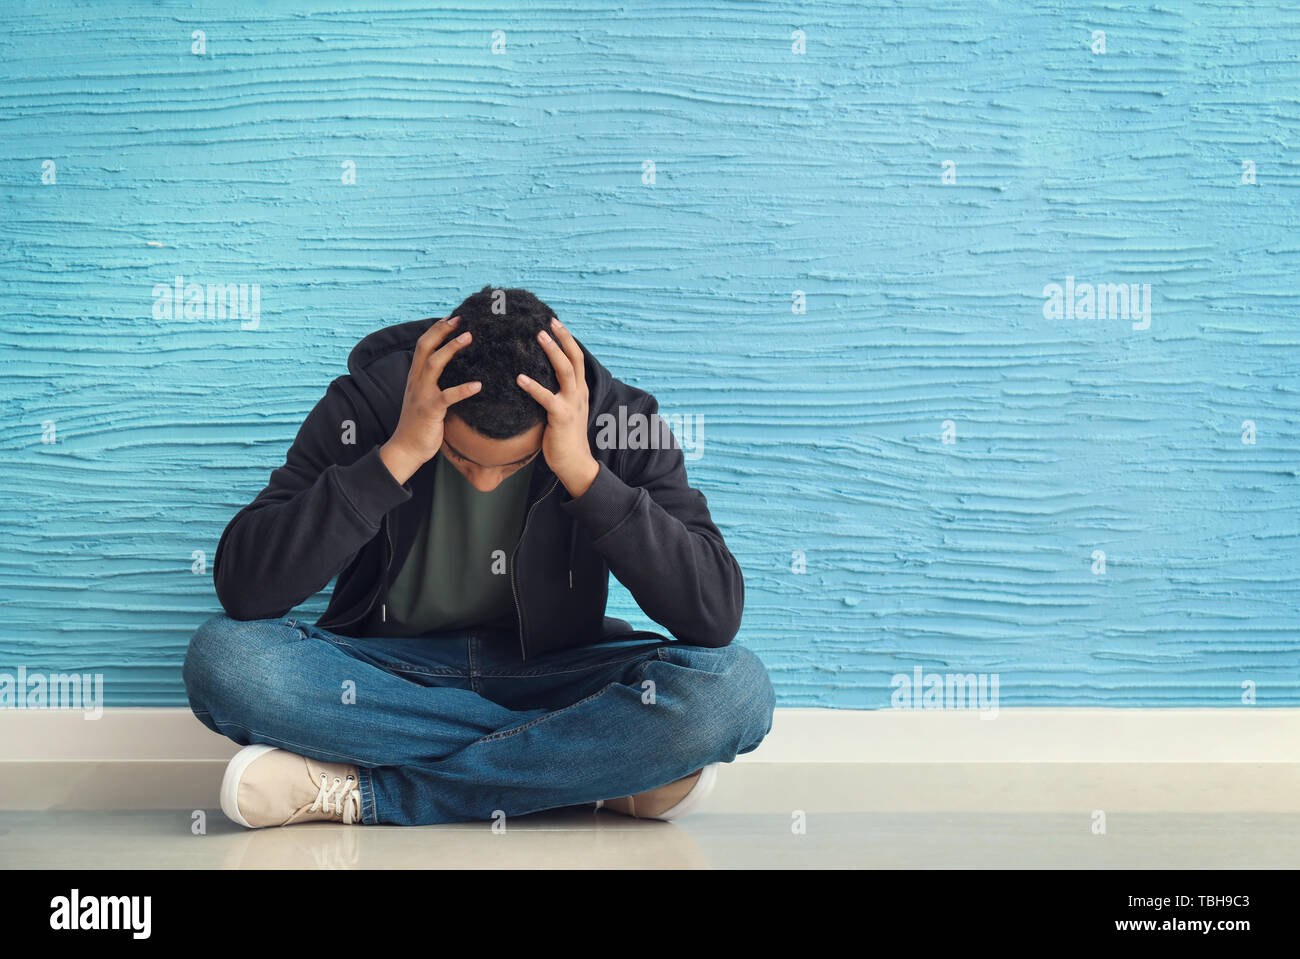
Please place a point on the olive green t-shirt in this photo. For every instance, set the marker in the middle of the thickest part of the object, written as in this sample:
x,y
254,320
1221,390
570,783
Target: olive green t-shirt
x,y
457,573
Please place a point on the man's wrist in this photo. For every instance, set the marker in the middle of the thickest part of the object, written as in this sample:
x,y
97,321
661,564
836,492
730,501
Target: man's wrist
x,y
579,480
400,462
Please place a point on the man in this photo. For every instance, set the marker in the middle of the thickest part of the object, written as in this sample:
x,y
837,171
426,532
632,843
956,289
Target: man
x,y
464,668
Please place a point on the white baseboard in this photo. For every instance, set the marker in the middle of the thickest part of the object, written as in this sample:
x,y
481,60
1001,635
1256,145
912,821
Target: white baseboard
x,y
1015,735
1026,761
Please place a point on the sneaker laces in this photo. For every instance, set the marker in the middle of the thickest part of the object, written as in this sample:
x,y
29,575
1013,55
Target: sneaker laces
x,y
346,801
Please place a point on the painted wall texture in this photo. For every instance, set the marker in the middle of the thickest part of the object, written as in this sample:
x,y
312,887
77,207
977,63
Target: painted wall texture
x,y
827,231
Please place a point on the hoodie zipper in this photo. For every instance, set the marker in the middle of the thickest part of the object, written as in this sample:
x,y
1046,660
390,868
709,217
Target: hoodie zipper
x,y
380,591
383,607
523,653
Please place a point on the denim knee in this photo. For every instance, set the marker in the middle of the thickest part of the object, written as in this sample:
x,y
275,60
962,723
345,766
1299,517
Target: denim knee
x,y
752,696
219,659
728,697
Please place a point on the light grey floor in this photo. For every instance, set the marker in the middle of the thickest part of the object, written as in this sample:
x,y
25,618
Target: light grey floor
x,y
582,838
1182,816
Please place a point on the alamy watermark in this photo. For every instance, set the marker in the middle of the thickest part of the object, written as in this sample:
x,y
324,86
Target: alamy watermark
x,y
922,690
210,301
75,912
639,431
24,690
1104,301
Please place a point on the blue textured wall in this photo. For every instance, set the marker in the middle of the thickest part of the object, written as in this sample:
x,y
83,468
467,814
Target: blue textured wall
x,y
775,172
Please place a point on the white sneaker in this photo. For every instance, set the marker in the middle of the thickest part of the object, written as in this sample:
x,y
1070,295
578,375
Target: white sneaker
x,y
267,786
669,802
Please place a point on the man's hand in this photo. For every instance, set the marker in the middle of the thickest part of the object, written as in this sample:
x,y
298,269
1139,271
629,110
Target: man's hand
x,y
418,436
564,442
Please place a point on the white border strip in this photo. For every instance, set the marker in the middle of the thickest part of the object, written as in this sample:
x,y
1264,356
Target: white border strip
x,y
1015,735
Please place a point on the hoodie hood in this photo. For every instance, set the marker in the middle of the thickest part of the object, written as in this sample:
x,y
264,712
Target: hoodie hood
x,y
390,339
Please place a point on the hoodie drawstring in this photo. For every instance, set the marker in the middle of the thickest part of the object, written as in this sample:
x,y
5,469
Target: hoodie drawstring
x,y
573,539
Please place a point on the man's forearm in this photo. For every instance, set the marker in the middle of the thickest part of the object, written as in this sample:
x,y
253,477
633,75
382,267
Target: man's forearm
x,y
322,506
285,546
682,578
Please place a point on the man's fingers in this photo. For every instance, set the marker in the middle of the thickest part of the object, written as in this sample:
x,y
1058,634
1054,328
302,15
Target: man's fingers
x,y
537,391
458,393
429,341
435,334
442,356
563,365
571,349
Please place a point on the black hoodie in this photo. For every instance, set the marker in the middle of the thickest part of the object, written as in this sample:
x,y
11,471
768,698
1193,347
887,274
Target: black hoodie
x,y
333,508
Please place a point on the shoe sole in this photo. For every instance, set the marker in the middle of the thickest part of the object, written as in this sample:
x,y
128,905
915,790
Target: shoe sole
x,y
234,772
697,795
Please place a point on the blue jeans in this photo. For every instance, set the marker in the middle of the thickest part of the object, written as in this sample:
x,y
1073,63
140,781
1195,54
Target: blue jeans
x,y
456,728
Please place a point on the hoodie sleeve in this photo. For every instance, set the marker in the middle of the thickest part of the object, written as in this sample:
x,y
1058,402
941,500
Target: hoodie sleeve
x,y
656,535
325,503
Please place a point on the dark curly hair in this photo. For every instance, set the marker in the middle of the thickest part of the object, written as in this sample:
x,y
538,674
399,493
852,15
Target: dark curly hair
x,y
505,324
